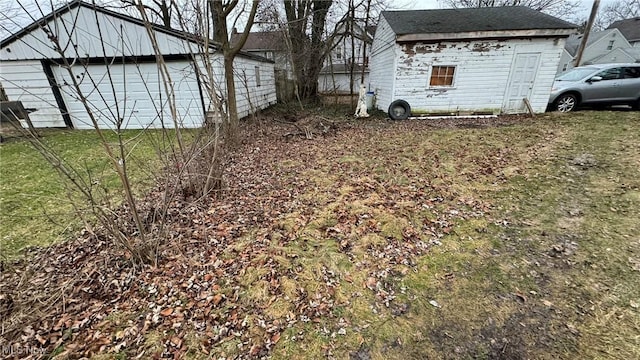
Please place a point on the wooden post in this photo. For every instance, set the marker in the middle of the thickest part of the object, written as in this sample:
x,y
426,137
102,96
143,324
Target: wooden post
x,y
585,36
529,108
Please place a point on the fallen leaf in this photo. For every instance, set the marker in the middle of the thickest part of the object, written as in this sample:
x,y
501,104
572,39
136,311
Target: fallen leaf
x,y
217,298
176,341
275,337
371,283
166,312
40,339
434,303
255,350
520,296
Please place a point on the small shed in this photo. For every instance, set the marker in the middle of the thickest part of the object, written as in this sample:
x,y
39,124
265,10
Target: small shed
x,y
473,60
112,59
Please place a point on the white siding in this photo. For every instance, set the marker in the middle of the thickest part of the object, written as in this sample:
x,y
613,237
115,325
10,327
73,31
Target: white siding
x,y
383,59
88,33
133,93
601,47
339,83
565,60
348,46
615,56
249,96
26,81
482,73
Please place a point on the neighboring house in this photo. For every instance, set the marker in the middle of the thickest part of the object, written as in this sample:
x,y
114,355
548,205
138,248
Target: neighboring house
x,y
630,28
337,78
269,44
619,55
347,48
599,45
480,60
114,63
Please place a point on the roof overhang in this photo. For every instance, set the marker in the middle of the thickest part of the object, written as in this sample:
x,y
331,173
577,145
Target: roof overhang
x,y
477,35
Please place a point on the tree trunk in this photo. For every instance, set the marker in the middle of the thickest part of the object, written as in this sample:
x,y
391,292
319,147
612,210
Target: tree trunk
x,y
232,106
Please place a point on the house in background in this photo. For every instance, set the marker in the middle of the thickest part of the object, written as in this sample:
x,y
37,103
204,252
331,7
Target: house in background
x,y
603,47
273,46
344,64
336,79
114,63
480,60
268,44
630,28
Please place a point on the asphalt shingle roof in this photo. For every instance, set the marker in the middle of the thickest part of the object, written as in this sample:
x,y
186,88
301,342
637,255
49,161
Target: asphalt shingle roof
x,y
471,19
264,40
630,28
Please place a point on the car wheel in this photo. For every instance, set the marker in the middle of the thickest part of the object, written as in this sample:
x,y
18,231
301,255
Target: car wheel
x,y
636,106
566,103
399,110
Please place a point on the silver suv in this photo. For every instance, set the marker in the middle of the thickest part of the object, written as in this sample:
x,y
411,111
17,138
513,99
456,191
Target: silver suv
x,y
597,85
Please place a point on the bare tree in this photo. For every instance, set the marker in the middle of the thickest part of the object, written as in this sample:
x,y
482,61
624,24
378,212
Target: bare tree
x,y
222,11
559,8
190,168
306,25
619,10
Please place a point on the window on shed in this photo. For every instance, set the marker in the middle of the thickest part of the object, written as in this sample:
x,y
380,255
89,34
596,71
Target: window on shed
x,y
565,66
257,75
611,42
442,76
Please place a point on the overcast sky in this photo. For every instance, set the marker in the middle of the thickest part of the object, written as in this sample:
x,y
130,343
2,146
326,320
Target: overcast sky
x,y
435,4
396,4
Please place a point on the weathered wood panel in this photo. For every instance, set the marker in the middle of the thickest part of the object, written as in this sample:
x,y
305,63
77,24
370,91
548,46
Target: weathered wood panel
x,y
482,75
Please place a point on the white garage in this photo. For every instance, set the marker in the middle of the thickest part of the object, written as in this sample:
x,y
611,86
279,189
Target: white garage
x,y
110,61
137,93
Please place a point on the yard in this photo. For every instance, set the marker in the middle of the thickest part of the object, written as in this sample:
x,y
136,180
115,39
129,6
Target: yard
x,y
35,208
507,238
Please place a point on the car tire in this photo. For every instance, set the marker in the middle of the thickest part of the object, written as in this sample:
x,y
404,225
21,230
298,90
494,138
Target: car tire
x,y
399,110
566,102
636,106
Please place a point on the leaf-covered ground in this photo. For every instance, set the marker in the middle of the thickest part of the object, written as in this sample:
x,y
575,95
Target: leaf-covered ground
x,y
500,238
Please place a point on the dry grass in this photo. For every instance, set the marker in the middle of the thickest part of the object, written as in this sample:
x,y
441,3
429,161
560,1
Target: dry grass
x,y
535,254
509,284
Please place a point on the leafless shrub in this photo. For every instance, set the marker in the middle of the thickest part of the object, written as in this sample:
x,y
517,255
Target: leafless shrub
x,y
190,161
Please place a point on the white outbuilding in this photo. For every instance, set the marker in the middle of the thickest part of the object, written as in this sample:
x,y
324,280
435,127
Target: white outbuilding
x,y
466,61
110,58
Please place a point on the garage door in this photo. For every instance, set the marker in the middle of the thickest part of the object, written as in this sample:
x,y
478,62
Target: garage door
x,y
131,94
